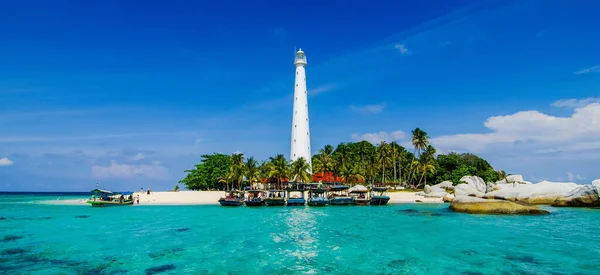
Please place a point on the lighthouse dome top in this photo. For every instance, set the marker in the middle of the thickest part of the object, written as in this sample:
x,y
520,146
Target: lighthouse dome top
x,y
300,58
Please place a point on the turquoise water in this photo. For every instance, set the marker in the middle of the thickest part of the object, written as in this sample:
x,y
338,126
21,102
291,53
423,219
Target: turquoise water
x,y
38,238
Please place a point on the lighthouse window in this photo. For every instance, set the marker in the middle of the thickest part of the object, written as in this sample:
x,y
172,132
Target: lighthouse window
x,y
294,126
296,85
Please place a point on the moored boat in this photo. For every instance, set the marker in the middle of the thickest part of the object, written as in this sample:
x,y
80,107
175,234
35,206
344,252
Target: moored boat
x,y
295,197
103,198
360,195
255,198
379,196
317,197
275,198
339,195
233,198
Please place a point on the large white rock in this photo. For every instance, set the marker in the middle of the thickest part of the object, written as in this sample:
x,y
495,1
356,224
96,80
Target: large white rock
x,y
596,184
517,179
472,186
433,191
514,178
584,195
445,184
545,192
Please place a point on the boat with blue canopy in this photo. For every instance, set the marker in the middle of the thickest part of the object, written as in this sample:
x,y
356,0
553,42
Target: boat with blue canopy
x,y
338,195
295,197
317,197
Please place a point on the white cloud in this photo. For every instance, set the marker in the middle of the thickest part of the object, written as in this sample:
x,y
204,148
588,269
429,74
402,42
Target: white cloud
x,y
575,103
323,89
534,130
137,157
593,69
6,162
128,171
376,138
373,108
401,48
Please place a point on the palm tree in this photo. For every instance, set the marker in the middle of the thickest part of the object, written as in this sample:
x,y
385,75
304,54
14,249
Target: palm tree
x,y
325,160
427,167
415,168
251,170
237,168
394,153
419,142
427,157
299,170
279,168
383,154
227,179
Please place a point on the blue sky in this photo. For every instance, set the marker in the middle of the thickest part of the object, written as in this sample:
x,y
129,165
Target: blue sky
x,y
129,93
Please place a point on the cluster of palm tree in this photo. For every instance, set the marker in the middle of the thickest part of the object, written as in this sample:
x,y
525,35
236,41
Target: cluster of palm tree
x,y
384,163
352,162
276,169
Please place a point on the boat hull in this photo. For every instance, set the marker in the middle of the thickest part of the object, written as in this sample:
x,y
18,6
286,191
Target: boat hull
x,y
296,202
255,203
230,202
341,201
109,203
360,202
275,202
318,202
380,200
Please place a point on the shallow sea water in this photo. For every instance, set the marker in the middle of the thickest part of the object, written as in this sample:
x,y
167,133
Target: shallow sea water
x,y
41,238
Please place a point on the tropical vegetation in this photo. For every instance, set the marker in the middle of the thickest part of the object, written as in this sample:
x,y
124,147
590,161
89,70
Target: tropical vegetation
x,y
351,162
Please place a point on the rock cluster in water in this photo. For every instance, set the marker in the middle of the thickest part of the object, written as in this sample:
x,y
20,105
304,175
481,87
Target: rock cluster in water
x,y
514,189
476,205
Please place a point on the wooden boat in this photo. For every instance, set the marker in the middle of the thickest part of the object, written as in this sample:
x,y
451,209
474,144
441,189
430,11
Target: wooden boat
x,y
275,198
233,198
103,198
339,195
295,197
317,197
255,198
360,195
379,196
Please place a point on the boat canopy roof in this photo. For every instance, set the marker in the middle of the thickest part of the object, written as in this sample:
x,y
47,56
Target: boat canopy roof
x,y
358,189
101,191
318,190
338,188
379,189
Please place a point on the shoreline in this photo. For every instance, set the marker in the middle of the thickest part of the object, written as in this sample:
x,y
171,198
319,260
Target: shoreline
x,y
212,197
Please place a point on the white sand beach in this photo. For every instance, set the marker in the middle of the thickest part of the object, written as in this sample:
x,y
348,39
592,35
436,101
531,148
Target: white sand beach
x,y
212,197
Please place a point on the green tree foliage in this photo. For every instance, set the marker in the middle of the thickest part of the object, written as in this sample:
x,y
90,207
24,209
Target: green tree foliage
x,y
208,173
354,162
454,166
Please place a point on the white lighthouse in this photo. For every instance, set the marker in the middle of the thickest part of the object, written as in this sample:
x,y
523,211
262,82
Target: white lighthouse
x,y
300,129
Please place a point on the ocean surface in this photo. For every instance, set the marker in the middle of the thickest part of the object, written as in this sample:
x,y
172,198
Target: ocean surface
x,y
39,236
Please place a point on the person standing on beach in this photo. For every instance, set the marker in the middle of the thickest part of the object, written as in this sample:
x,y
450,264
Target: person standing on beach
x,y
138,199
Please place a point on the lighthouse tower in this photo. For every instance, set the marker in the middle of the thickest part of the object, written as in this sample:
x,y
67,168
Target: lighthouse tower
x,y
300,129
